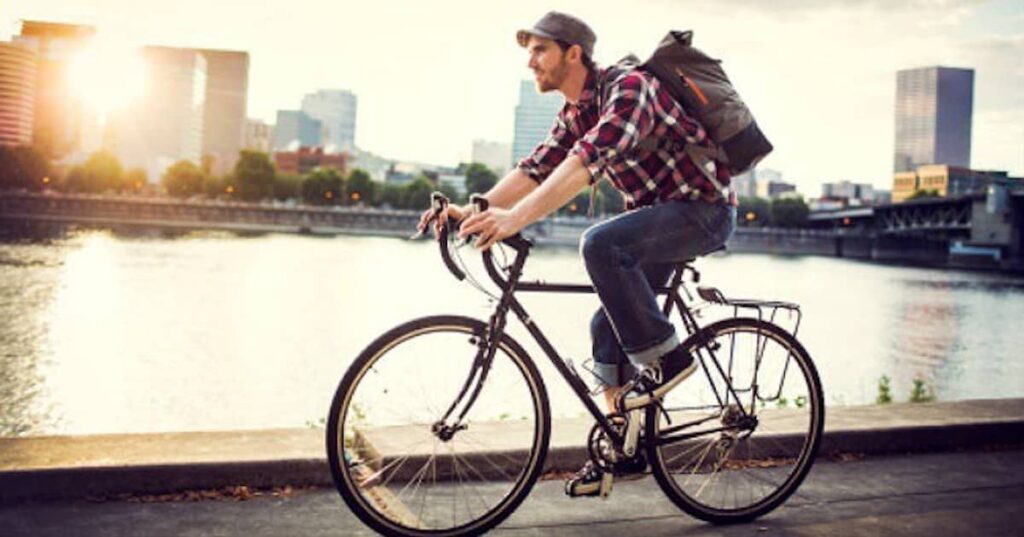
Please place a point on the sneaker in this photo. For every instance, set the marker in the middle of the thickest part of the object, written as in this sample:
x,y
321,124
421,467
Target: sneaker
x,y
589,480
654,381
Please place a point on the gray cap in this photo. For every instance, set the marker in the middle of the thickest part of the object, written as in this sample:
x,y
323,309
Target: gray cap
x,y
561,27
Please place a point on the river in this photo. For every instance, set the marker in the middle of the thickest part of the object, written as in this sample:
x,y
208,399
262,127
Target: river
x,y
105,332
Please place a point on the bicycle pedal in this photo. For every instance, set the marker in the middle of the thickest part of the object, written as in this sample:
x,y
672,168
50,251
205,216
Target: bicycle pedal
x,y
606,485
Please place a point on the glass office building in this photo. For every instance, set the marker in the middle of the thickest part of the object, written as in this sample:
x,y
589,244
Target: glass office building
x,y
535,114
933,117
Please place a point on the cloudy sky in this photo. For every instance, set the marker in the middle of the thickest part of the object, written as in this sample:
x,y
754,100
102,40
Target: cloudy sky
x,y
432,76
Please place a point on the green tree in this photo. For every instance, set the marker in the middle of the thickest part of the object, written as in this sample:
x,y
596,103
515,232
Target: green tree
x,y
754,212
184,179
101,172
288,186
360,188
253,178
479,178
390,196
416,195
23,167
323,186
789,212
919,194
609,199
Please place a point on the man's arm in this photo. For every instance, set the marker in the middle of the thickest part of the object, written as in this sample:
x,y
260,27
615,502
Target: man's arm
x,y
499,223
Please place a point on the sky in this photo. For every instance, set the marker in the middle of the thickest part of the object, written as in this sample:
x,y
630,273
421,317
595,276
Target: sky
x,y
819,75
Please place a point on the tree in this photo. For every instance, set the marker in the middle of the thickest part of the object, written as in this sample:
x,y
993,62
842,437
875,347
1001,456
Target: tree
x,y
479,178
323,186
609,199
390,196
101,172
359,188
755,212
184,179
23,167
288,186
920,194
136,179
789,212
253,178
416,195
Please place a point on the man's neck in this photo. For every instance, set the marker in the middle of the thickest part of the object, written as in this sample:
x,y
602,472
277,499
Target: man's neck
x,y
573,85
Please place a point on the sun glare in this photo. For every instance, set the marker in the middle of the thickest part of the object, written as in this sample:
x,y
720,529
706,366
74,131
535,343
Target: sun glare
x,y
108,76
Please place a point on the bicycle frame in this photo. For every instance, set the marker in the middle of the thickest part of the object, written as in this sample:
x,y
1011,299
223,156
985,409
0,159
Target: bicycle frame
x,y
509,302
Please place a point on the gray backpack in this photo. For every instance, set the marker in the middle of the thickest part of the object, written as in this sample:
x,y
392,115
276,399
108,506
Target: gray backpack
x,y
700,85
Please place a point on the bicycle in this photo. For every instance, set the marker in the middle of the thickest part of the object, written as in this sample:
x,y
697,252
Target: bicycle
x,y
441,425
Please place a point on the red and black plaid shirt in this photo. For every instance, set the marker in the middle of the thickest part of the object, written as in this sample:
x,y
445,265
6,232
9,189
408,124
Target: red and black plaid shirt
x,y
606,141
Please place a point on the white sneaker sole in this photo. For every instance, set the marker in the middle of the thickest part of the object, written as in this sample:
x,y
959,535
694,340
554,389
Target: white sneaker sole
x,y
646,399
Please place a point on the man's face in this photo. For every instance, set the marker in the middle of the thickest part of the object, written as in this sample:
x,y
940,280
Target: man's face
x,y
547,61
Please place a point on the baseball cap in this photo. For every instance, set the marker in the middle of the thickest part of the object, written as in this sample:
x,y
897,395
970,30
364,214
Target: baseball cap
x,y
561,27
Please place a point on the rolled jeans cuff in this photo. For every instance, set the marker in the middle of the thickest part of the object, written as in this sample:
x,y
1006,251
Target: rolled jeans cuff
x,y
608,374
651,354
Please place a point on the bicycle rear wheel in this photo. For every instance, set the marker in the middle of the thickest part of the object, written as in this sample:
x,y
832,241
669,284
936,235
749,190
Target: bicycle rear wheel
x,y
399,469
732,455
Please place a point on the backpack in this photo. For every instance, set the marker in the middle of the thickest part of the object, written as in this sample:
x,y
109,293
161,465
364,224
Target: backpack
x,y
698,83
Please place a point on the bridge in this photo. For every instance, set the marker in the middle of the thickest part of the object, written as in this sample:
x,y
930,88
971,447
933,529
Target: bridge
x,y
925,231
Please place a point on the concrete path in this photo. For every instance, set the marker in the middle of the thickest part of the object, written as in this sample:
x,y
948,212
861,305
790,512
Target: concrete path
x,y
930,495
65,467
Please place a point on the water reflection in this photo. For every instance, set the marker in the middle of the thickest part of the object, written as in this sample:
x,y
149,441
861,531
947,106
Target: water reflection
x,y
116,331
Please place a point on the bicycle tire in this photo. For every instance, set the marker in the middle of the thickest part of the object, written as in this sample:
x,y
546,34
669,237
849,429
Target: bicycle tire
x,y
722,453
382,515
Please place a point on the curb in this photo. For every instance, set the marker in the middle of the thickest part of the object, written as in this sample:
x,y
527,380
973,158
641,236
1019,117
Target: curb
x,y
53,468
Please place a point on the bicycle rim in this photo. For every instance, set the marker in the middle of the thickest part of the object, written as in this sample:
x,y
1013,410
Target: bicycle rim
x,y
753,465
390,466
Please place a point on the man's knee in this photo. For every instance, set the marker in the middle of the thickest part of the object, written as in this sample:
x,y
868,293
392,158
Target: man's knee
x,y
597,246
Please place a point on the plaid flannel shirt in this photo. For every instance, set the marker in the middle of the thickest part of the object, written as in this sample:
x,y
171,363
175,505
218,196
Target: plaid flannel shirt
x,y
605,136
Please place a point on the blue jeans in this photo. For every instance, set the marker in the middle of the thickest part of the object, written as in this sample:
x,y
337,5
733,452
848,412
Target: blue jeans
x,y
628,255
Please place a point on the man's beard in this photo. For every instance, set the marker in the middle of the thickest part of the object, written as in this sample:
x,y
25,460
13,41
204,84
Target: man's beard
x,y
552,79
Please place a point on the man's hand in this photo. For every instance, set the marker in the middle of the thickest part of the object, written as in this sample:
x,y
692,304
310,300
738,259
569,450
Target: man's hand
x,y
451,211
493,225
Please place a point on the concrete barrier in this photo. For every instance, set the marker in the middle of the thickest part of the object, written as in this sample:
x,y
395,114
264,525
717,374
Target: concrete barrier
x,y
60,467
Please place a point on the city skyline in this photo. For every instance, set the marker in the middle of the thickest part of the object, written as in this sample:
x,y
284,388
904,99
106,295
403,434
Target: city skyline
x,y
825,128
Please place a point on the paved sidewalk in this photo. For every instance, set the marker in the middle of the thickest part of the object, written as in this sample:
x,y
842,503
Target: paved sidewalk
x,y
65,467
931,495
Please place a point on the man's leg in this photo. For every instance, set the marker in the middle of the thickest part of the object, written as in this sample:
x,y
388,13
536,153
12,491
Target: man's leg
x,y
617,250
611,365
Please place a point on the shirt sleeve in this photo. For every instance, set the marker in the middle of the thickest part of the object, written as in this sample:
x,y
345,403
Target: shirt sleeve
x,y
626,118
549,153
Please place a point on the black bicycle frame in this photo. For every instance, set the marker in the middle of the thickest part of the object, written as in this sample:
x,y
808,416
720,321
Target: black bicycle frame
x,y
508,302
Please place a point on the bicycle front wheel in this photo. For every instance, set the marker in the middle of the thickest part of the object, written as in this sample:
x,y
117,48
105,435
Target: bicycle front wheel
x,y
401,467
737,438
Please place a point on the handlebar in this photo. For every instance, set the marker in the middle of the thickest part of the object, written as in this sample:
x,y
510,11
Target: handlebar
x,y
439,202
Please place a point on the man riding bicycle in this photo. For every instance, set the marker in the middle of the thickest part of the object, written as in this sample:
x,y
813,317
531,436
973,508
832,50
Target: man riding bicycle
x,y
674,209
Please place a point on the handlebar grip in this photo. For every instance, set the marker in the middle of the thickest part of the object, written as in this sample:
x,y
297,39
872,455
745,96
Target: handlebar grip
x,y
480,202
442,241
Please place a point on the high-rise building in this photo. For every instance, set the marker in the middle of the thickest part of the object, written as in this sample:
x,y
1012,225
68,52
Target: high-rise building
x,y
224,113
933,117
336,112
494,155
165,125
60,117
259,135
296,129
17,93
535,115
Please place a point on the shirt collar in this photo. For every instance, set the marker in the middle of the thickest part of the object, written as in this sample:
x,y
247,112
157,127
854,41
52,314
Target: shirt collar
x,y
589,93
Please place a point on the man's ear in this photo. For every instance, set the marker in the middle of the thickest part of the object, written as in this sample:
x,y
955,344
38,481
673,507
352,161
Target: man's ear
x,y
574,53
